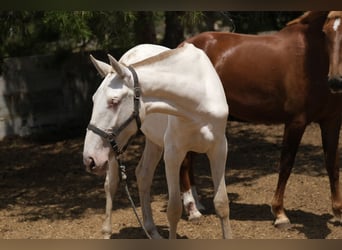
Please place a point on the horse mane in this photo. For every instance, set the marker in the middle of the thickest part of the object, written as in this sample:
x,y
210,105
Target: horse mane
x,y
158,57
307,17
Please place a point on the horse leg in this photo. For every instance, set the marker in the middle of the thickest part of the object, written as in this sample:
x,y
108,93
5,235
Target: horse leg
x,y
330,131
217,157
292,136
190,197
110,187
173,158
144,174
198,204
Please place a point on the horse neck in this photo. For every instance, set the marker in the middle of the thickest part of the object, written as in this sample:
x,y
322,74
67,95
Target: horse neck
x,y
316,43
169,87
312,22
317,53
306,33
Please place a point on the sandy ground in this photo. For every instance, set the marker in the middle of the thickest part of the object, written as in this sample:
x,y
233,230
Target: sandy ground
x,y
46,193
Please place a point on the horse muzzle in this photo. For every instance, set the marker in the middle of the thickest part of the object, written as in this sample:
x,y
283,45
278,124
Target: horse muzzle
x,y
335,84
93,168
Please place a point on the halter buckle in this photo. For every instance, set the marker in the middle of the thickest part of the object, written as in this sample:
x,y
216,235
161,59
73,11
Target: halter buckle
x,y
114,146
137,92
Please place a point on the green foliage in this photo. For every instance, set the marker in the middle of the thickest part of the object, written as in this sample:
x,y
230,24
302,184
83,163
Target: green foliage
x,y
36,32
17,31
192,18
254,22
112,29
68,25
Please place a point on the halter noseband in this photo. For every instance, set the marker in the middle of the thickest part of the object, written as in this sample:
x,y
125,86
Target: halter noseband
x,y
110,136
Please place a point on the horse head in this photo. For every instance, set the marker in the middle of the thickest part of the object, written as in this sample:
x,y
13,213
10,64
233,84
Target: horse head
x,y
333,32
110,125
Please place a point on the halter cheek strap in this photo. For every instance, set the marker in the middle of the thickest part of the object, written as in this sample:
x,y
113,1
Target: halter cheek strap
x,y
137,94
110,136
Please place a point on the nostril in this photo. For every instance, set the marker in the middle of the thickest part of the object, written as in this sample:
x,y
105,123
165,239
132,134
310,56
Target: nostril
x,y
335,84
91,162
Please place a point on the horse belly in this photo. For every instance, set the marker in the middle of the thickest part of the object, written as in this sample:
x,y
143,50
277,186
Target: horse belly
x,y
258,97
257,88
265,112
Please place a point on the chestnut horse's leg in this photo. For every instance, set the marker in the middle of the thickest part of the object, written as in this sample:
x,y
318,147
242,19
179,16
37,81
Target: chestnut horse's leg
x,y
330,131
187,183
186,173
292,136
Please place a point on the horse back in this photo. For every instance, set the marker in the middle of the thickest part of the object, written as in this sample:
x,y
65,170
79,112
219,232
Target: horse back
x,y
265,77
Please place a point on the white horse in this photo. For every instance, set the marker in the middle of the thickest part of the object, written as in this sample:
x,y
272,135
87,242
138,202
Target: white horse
x,y
153,127
173,84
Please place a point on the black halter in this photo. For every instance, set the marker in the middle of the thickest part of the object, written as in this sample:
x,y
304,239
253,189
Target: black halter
x,y
110,136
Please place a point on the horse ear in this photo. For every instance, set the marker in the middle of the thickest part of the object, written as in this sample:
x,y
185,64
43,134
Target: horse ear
x,y
120,69
103,68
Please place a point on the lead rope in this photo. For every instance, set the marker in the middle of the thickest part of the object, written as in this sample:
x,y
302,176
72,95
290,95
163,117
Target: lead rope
x,y
123,177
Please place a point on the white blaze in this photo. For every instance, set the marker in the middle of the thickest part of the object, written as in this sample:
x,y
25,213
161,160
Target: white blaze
x,y
337,24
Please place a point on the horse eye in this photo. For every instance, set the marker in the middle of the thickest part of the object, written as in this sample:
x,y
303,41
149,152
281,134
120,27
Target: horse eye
x,y
113,103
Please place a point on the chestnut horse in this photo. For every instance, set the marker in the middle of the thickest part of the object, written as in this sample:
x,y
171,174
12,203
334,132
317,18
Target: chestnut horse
x,y
283,78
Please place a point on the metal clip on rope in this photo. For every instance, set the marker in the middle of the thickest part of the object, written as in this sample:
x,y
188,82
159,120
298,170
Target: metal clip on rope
x,y
123,177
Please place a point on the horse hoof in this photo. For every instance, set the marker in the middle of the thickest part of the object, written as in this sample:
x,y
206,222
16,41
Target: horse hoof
x,y
337,213
107,236
195,215
282,223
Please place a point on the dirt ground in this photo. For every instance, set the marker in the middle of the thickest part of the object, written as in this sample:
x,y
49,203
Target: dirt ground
x,y
46,193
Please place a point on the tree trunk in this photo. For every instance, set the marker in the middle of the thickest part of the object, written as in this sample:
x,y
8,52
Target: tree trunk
x,y
145,31
174,30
